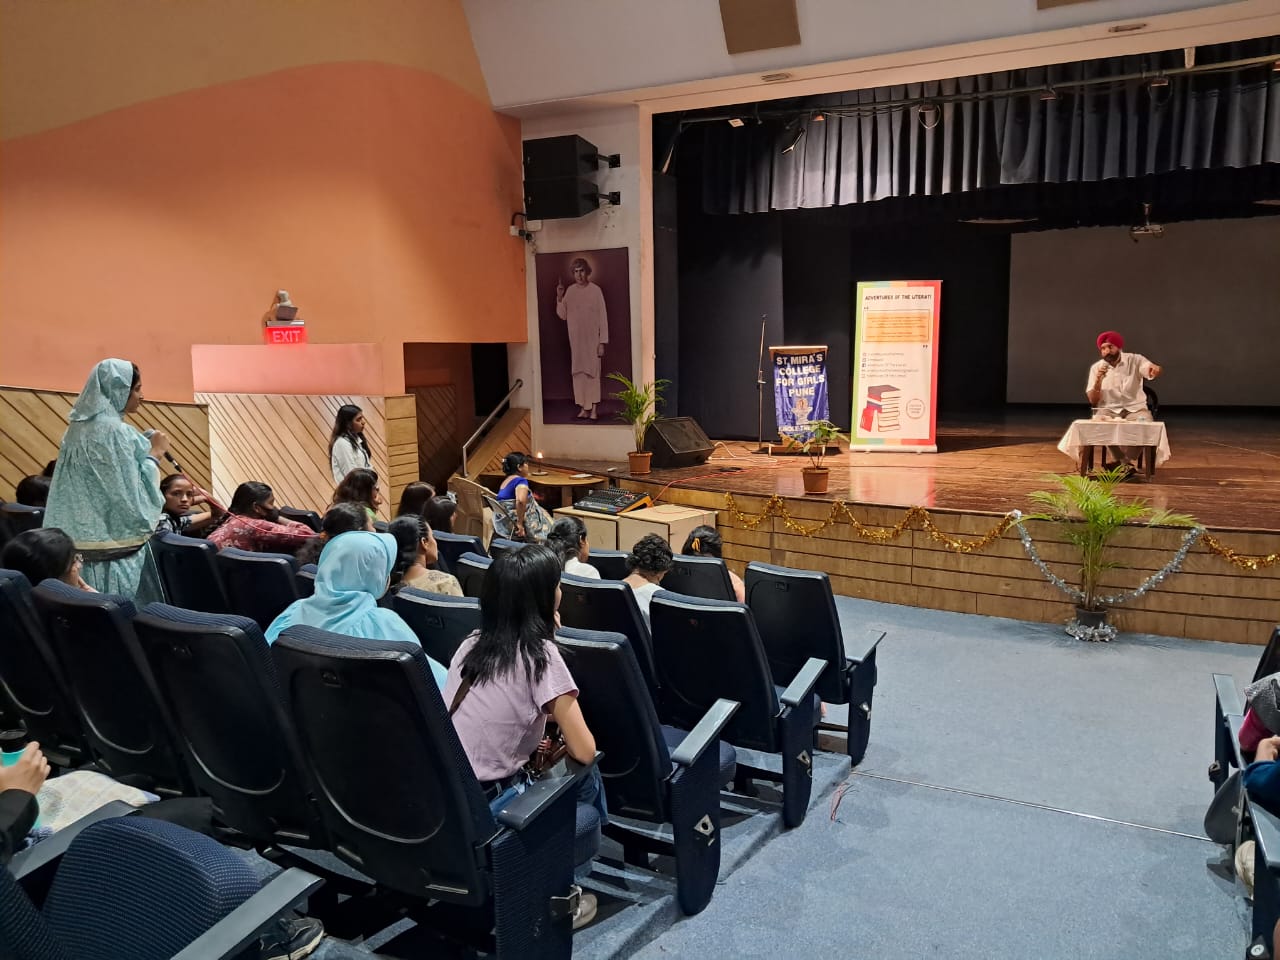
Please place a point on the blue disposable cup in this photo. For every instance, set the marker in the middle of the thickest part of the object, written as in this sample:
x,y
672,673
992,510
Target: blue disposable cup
x,y
9,757
12,743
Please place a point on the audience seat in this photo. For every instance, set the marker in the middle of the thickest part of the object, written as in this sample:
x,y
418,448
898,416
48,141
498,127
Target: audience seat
x,y
309,517
306,579
498,546
144,889
111,685
612,564
795,612
610,607
470,569
1269,662
16,518
441,622
699,577
643,779
217,679
706,650
454,545
259,585
32,680
406,810
189,574
472,518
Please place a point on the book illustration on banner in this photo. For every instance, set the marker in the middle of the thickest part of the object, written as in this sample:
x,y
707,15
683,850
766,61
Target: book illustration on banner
x,y
880,414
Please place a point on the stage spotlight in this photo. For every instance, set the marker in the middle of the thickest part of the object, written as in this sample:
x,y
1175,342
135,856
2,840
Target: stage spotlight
x,y
1160,81
930,115
793,141
819,117
736,122
1048,95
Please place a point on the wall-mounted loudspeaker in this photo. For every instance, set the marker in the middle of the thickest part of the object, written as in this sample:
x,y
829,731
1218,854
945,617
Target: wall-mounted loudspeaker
x,y
560,177
552,157
560,198
677,442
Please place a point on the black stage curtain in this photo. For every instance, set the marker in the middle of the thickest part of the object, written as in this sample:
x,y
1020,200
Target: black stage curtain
x,y
1125,130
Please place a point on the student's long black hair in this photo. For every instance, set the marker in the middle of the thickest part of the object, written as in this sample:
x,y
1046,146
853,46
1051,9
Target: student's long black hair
x,y
342,428
565,537
517,615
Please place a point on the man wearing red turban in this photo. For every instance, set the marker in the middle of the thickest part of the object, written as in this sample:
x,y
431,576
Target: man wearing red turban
x,y
1115,387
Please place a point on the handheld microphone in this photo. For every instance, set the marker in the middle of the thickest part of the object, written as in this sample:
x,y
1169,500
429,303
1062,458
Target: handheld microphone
x,y
167,455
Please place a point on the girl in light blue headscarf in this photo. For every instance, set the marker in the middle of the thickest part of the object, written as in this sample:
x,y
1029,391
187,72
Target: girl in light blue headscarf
x,y
106,489
353,573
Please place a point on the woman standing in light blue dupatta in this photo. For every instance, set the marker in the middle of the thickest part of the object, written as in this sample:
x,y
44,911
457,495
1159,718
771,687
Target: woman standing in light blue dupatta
x,y
353,573
106,487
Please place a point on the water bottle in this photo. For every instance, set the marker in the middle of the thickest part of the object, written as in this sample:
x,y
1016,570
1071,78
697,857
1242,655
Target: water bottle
x,y
12,743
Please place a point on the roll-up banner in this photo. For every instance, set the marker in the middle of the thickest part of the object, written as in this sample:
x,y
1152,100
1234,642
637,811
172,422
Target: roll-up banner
x,y
799,389
895,365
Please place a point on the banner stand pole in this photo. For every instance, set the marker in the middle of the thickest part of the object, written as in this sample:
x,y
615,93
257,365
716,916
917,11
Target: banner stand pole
x,y
760,445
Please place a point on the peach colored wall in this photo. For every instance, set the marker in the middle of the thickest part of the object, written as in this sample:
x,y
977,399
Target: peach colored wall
x,y
379,196
306,368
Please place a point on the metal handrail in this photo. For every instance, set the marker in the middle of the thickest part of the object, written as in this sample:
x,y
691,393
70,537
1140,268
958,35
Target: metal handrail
x,y
484,426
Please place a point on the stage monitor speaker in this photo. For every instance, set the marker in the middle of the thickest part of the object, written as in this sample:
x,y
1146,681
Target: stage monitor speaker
x,y
553,157
560,199
677,442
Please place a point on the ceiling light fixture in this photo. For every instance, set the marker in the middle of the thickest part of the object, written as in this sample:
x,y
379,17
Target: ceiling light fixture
x,y
1126,27
736,122
930,115
819,117
774,77
1048,94
1160,81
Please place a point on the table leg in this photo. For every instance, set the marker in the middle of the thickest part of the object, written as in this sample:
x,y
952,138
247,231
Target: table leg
x,y
1149,462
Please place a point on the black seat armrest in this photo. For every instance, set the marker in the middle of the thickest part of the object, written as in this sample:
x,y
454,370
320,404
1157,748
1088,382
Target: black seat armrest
x,y
243,925
1228,696
803,683
1234,723
705,733
47,852
522,810
858,650
1266,832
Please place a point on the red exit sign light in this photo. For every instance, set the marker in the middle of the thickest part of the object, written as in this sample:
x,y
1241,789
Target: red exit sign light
x,y
272,335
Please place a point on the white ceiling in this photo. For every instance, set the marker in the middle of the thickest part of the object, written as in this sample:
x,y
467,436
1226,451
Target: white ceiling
x,y
540,51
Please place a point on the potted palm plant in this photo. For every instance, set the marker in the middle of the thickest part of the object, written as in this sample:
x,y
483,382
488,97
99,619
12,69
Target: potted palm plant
x,y
1089,514
640,402
821,434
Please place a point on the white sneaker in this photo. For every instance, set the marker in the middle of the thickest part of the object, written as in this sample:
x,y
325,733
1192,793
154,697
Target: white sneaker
x,y
1244,866
586,911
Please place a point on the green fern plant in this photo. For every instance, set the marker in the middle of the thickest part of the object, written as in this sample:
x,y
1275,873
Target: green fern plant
x,y
1089,514
640,402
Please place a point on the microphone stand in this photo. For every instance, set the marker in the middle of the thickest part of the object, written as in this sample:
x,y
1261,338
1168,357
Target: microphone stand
x,y
760,381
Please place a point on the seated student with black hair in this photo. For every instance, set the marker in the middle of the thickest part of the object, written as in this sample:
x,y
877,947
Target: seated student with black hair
x,y
418,554
704,541
340,518
32,491
181,498
45,554
438,512
360,486
253,522
568,538
649,561
414,497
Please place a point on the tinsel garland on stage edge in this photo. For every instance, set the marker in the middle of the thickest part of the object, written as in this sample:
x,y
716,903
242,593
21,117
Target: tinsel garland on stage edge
x,y
775,506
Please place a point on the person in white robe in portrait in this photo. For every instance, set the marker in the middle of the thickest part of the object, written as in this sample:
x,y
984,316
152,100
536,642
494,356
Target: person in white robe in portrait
x,y
581,307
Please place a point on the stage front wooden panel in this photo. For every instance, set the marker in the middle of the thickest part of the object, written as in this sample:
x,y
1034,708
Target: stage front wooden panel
x,y
283,440
32,423
1208,599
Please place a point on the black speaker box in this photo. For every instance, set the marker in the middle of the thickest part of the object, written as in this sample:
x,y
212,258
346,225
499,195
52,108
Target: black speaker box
x,y
553,157
677,442
560,199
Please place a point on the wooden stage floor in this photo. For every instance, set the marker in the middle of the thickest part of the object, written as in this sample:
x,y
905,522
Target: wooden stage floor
x,y
1224,469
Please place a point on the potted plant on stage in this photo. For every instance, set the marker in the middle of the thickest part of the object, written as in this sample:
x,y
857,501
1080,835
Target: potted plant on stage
x,y
640,402
822,434
1089,515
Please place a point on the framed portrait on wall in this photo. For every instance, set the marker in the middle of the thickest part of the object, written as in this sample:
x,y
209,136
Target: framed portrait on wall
x,y
584,333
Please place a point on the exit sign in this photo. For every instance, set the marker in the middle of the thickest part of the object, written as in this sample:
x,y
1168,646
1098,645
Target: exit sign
x,y
284,335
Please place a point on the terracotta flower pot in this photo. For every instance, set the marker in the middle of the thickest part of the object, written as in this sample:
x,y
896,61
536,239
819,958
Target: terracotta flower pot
x,y
639,461
816,479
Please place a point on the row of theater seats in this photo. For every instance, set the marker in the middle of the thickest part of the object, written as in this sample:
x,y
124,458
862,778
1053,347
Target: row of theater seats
x,y
16,518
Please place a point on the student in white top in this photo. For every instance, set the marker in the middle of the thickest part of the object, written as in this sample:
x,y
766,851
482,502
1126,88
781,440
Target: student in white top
x,y
649,561
348,448
1115,388
568,538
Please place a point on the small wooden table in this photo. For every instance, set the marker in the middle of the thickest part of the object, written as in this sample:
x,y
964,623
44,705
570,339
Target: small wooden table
x,y
568,484
1083,437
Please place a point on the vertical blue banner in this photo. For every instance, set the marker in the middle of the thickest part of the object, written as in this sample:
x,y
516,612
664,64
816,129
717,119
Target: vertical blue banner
x,y
799,389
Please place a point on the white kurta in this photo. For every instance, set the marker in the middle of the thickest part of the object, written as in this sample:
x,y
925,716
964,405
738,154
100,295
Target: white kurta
x,y
346,456
582,310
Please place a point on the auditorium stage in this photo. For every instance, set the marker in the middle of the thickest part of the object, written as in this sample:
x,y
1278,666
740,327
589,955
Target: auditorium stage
x,y
1224,470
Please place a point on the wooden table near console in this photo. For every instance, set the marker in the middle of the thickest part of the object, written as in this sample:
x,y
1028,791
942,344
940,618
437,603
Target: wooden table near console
x,y
569,486
670,521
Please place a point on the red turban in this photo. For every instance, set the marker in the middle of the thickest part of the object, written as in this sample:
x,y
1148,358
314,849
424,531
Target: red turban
x,y
1110,336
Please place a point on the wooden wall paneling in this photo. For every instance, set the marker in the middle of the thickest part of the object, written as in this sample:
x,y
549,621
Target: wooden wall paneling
x,y
283,440
439,446
511,433
401,416
32,423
